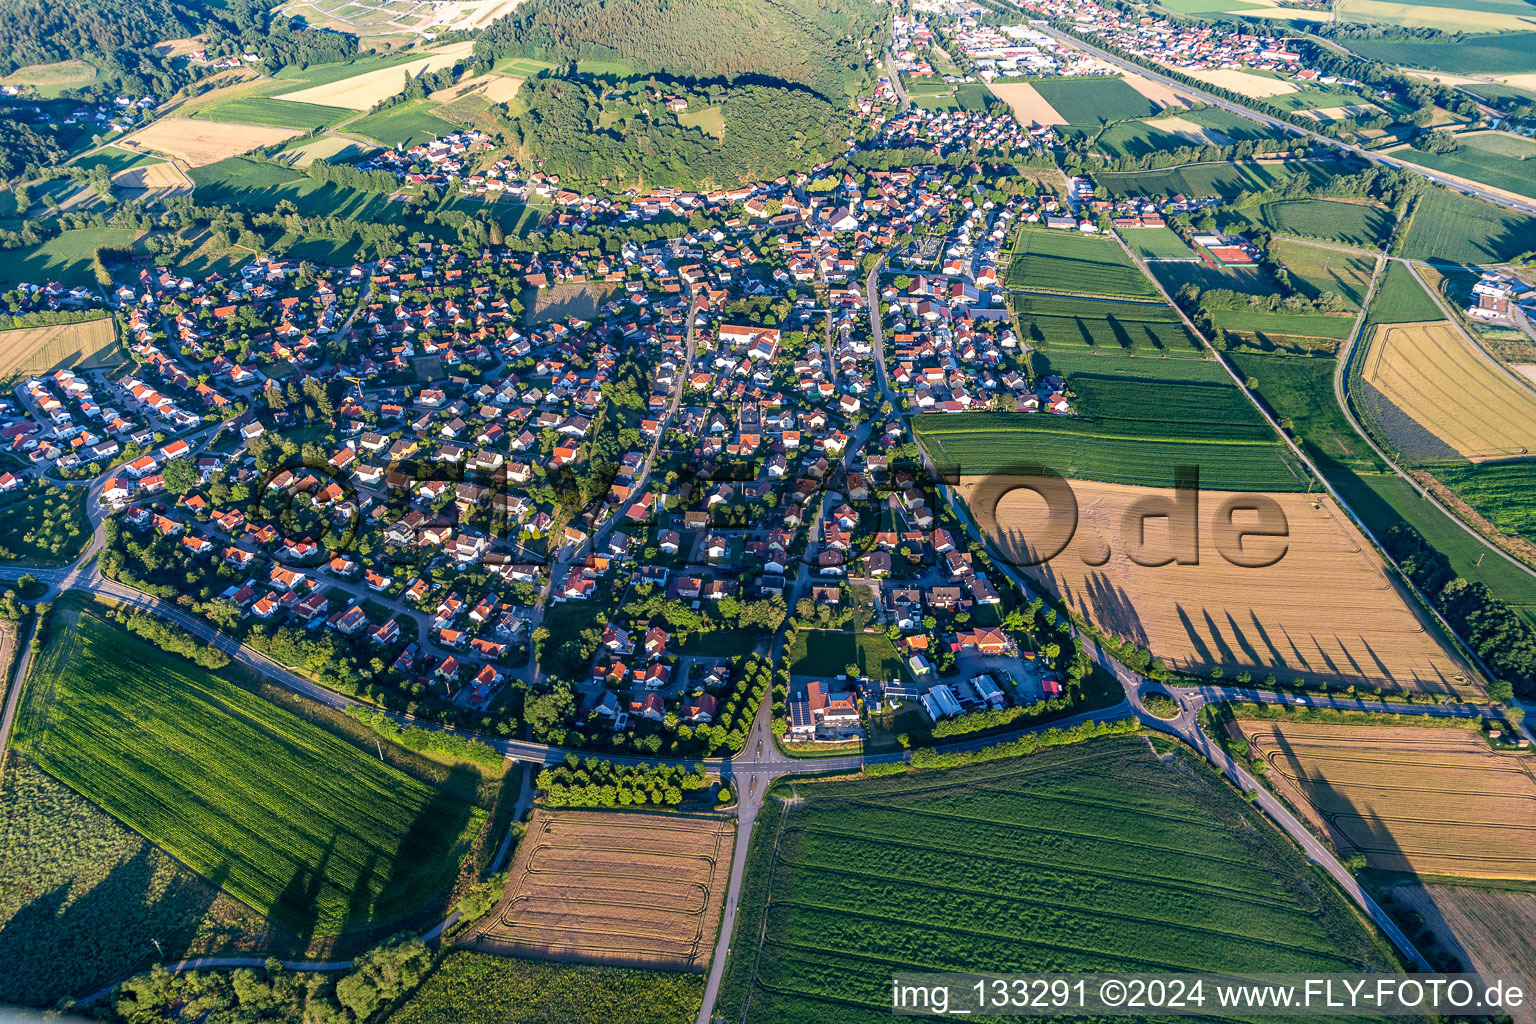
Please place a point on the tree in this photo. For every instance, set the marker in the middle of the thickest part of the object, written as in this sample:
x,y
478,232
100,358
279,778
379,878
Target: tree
x,y
180,476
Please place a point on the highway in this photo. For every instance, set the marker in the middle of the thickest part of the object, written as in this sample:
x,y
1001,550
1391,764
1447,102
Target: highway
x,y
1380,159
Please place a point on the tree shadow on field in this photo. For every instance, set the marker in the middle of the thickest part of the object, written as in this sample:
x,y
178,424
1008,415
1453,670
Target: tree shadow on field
x,y
297,907
419,857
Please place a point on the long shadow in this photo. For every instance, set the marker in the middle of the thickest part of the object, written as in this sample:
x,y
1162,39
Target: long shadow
x,y
419,857
297,907
1202,650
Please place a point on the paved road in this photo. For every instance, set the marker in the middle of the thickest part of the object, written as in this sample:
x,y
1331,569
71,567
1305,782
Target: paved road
x,y
1253,115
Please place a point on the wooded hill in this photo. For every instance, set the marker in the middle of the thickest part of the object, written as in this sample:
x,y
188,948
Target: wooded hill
x,y
814,43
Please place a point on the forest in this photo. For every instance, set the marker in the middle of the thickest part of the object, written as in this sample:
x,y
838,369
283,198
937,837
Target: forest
x,y
818,45
586,134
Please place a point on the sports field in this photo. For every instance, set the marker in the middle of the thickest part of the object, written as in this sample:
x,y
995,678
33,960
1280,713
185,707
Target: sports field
x,y
1304,596
40,349
1054,260
288,818
644,890
1093,857
1429,801
1431,373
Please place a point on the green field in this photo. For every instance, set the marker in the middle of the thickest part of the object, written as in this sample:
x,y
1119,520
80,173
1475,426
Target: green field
x,y
82,891
826,652
499,990
1303,325
1454,228
1496,160
285,816
401,126
66,258
1299,389
259,187
524,67
1498,53
1129,431
971,96
1095,857
275,113
1111,333
1365,227
1315,270
1091,101
1129,140
1225,180
115,159
1157,244
1313,98
48,81
1248,280
1069,261
1399,299
1500,491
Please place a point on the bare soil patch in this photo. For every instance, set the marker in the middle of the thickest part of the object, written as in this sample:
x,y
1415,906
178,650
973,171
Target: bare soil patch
x,y
1164,96
204,142
1429,801
1325,609
615,887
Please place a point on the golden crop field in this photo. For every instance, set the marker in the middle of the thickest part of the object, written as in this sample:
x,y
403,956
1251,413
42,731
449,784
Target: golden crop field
x,y
1163,95
39,349
161,175
365,91
1244,82
615,887
1028,106
1425,800
1325,610
204,142
1433,375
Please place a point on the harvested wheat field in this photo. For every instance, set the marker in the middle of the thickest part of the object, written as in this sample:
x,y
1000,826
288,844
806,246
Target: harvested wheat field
x,y
365,91
1432,374
200,143
40,349
1339,113
1164,96
1325,608
1426,800
1250,85
1028,106
162,175
1491,928
614,887
493,87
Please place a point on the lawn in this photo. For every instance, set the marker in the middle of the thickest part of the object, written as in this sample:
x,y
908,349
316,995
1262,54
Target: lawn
x,y
1496,160
470,986
401,126
1053,260
49,80
285,816
1157,244
1455,228
66,258
828,652
1315,270
1225,180
1090,101
1365,227
1098,857
1131,432
970,96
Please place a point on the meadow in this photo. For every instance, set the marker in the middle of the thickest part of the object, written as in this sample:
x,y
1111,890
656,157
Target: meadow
x,y
283,815
828,652
401,126
1080,858
82,891
1315,270
67,258
1357,224
1091,101
1448,226
1278,325
1069,261
1175,275
1224,179
273,113
1499,53
468,986
1493,159
1400,299
1157,244
50,80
